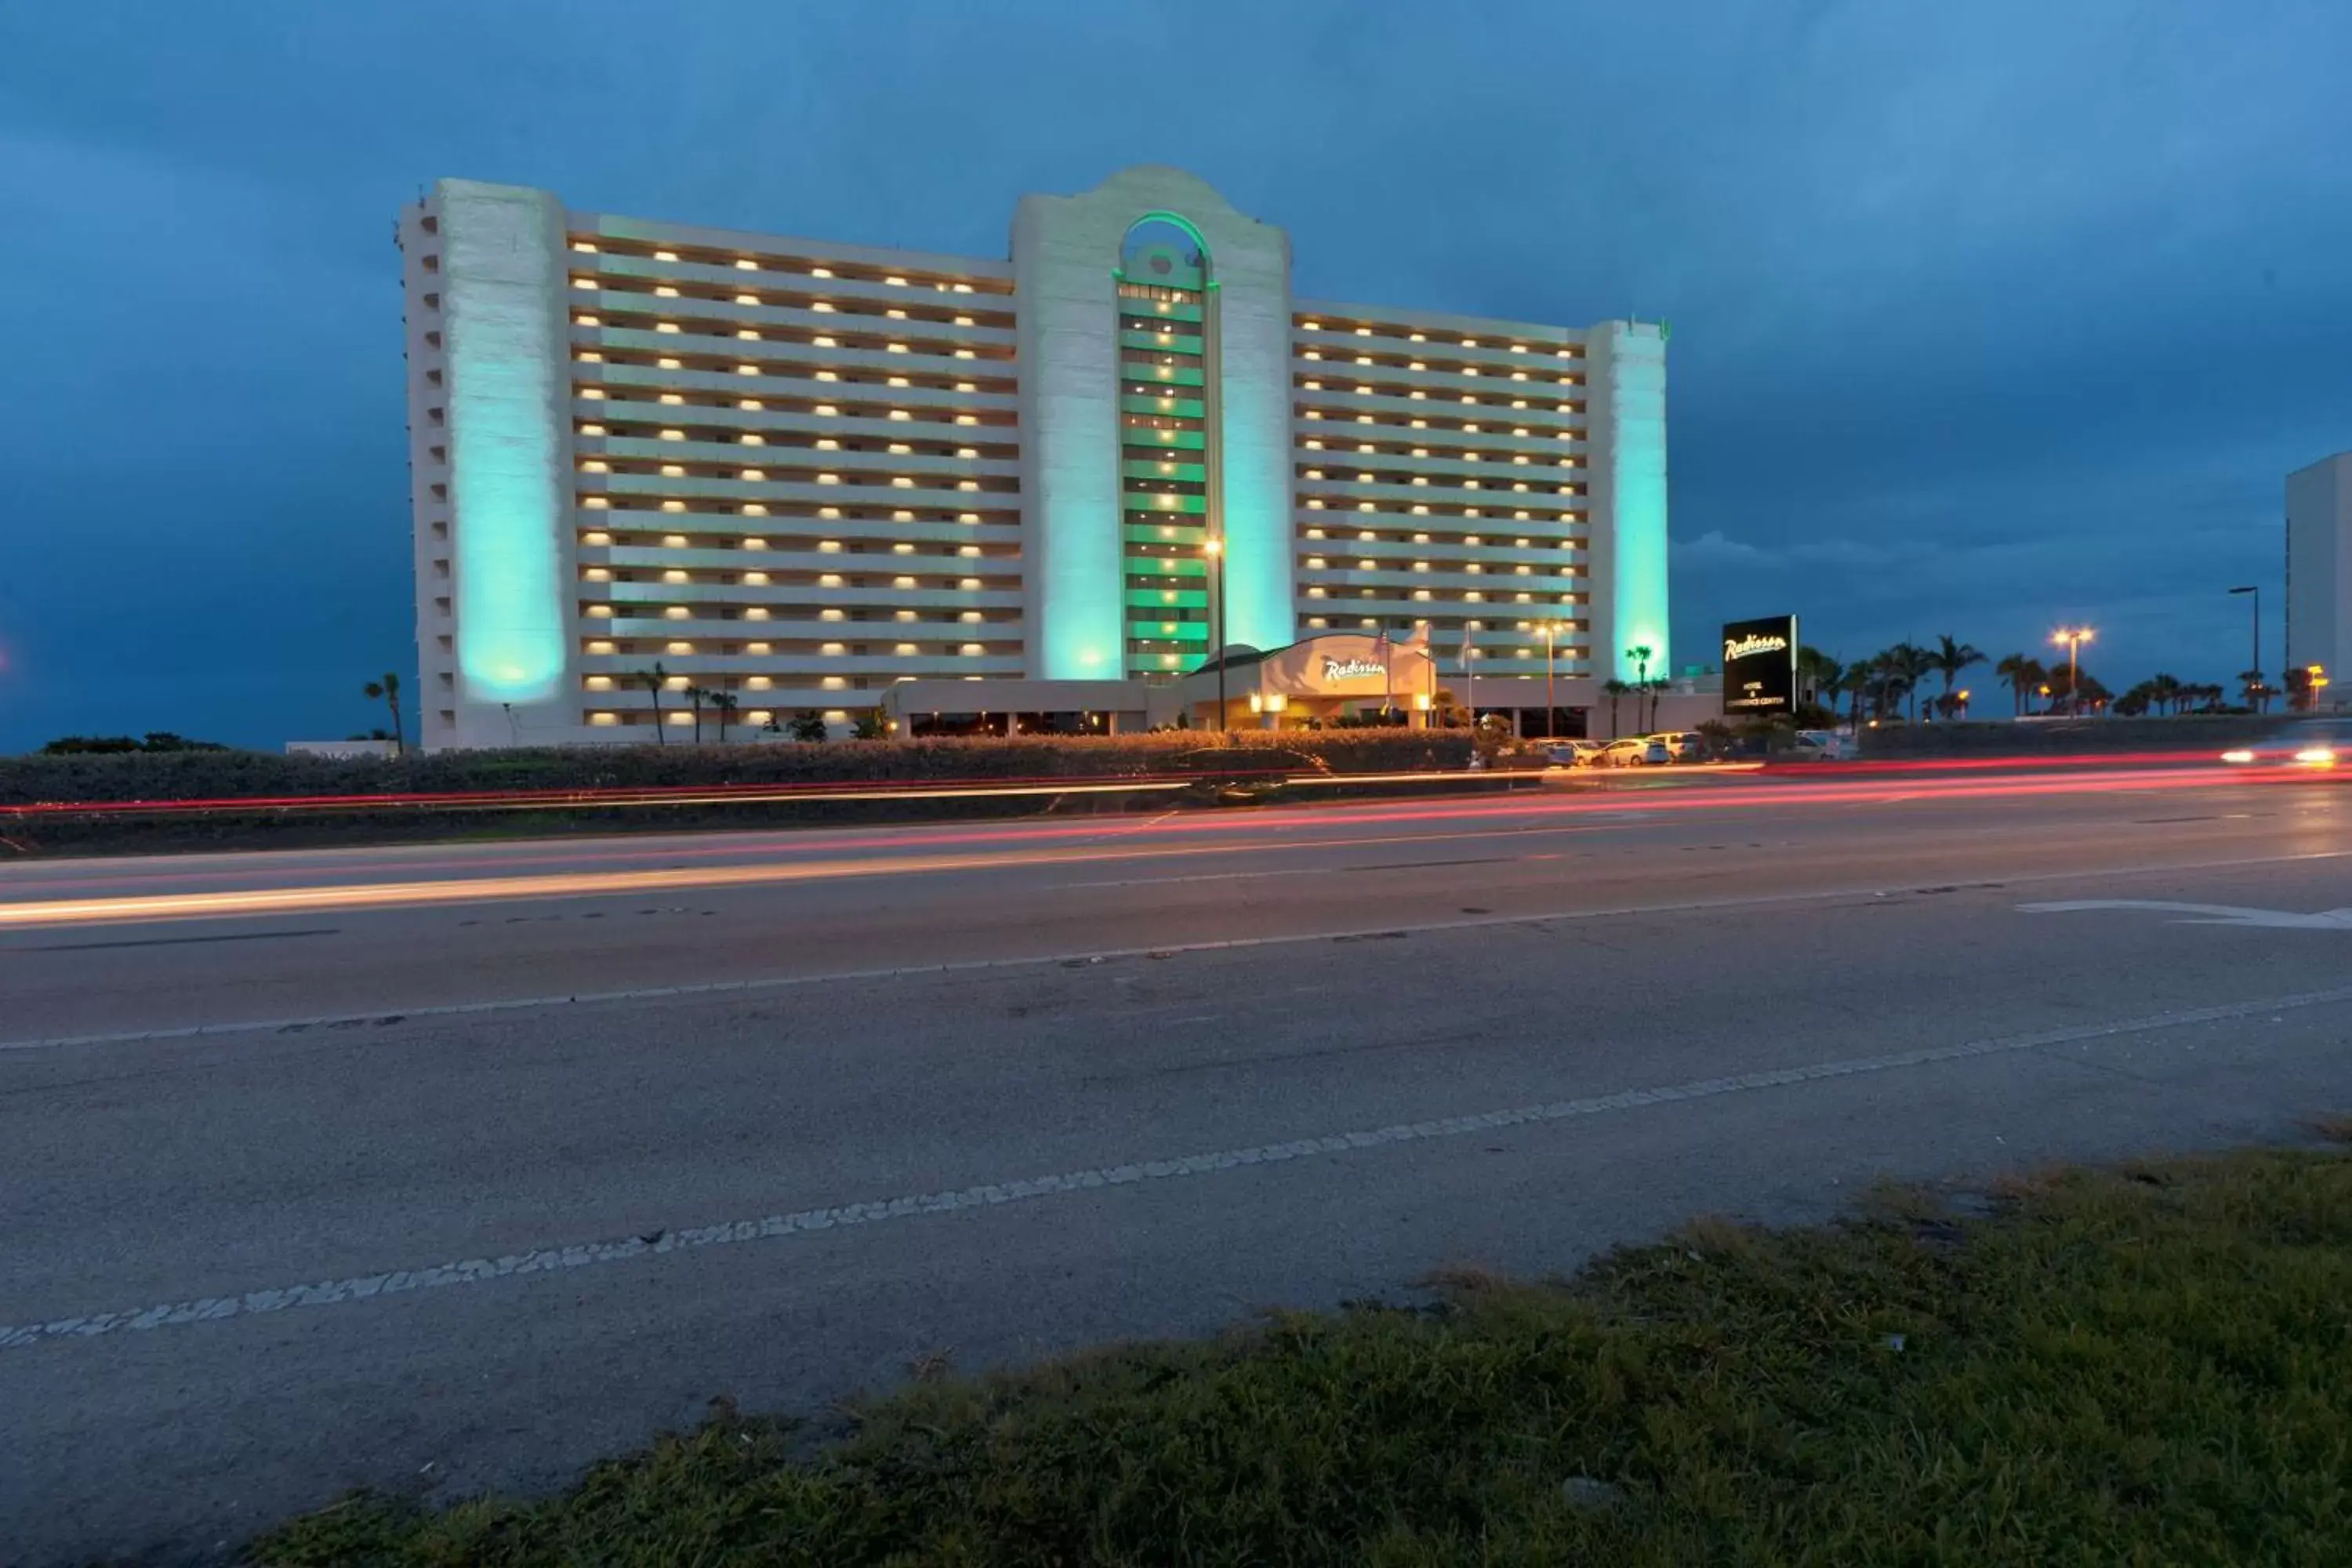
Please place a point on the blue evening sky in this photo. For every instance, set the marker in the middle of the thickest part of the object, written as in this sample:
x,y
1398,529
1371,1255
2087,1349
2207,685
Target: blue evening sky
x,y
1987,317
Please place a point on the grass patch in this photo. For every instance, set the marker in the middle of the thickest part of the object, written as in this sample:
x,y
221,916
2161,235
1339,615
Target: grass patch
x,y
2150,1365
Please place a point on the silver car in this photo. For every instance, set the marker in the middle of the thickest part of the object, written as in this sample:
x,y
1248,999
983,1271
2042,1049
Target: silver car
x,y
1636,751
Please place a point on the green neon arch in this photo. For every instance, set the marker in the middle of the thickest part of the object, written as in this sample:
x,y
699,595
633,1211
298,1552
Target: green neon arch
x,y
1208,257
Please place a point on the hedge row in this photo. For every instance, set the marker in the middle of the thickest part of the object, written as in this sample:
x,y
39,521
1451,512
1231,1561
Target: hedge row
x,y
216,775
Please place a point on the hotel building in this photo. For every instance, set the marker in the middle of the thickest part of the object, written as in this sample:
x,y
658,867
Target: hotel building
x,y
790,474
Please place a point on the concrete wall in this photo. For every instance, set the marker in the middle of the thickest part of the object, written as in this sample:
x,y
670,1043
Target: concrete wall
x,y
506,334
1627,436
1064,251
2193,734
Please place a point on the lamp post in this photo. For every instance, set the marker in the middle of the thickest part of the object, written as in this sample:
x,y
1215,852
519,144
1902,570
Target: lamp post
x,y
1551,642
1215,547
2255,667
2073,640
1470,669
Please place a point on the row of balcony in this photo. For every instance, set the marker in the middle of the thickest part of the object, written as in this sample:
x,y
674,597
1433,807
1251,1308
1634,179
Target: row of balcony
x,y
796,461
696,316
715,422
873,363
781,381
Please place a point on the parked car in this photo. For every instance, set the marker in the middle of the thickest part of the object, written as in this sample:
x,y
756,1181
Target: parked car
x,y
1573,754
1682,745
2315,744
1636,751
1818,746
1243,775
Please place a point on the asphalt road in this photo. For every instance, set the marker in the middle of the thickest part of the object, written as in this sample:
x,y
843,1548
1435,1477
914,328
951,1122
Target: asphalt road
x,y
447,1168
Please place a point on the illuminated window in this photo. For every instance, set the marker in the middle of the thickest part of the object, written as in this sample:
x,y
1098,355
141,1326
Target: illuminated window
x,y
664,255
664,291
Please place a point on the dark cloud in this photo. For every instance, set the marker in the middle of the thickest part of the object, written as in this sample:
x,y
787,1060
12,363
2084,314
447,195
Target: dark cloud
x,y
1986,317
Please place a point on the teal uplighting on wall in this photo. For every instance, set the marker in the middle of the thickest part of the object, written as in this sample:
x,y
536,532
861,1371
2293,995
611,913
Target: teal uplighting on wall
x,y
1259,537
1637,456
502,302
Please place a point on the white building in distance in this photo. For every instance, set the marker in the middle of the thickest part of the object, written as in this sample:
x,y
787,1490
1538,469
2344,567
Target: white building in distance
x,y
2319,567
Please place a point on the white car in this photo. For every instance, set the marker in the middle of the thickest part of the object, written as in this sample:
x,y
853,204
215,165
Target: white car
x,y
2313,743
1820,747
1636,751
1573,754
1682,745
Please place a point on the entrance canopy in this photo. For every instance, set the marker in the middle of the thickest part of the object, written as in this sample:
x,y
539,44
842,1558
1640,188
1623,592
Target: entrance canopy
x,y
1321,677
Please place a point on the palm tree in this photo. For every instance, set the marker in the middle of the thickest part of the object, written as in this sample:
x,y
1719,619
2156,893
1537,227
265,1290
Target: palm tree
x,y
2257,694
697,696
1855,683
388,691
1816,672
2024,672
1615,688
2166,692
725,703
1639,653
652,680
1948,658
1908,664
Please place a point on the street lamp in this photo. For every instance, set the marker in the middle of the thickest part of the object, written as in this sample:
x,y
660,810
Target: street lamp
x,y
2073,640
1551,638
1215,547
2254,669
1469,668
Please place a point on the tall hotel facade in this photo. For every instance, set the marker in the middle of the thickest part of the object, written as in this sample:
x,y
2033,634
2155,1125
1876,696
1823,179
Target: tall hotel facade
x,y
800,472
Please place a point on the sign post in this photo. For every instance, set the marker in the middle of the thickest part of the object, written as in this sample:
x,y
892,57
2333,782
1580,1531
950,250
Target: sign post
x,y
1760,666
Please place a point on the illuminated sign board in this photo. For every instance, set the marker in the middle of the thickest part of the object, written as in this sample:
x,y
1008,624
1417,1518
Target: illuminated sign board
x,y
1760,666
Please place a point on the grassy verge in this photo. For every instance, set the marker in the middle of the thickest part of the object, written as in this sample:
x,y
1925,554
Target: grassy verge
x,y
2151,1365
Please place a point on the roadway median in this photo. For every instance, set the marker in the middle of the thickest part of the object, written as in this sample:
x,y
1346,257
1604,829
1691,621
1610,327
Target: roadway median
x,y
170,801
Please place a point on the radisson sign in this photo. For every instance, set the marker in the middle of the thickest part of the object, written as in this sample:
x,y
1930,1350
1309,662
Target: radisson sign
x,y
1759,665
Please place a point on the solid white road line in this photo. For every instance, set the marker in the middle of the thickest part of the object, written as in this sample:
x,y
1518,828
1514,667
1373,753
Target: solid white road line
x,y
767,1227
